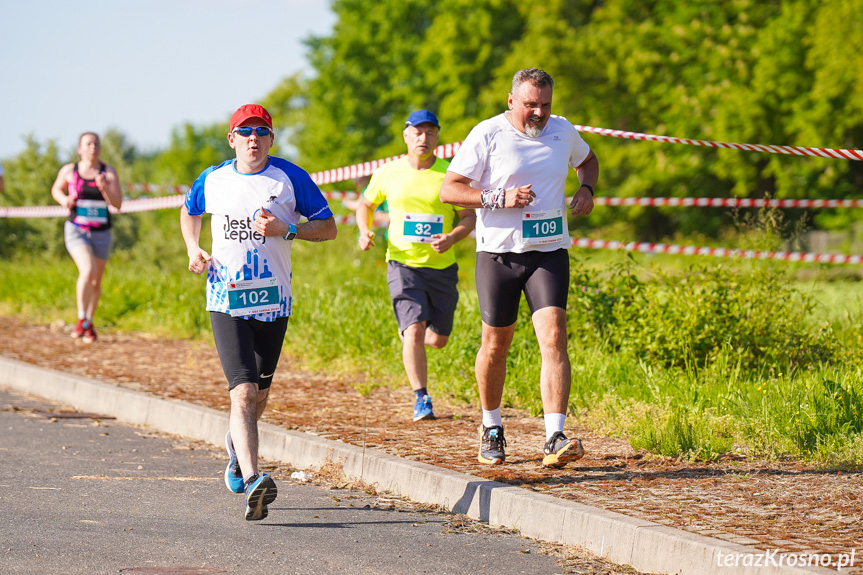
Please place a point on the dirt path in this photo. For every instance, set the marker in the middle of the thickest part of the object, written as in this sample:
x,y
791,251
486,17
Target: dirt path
x,y
787,506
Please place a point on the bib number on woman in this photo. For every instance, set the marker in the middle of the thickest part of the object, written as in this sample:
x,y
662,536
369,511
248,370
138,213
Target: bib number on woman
x,y
250,297
91,212
544,227
419,228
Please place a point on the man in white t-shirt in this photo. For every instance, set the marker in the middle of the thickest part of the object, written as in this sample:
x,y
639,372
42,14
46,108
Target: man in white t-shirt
x,y
255,201
512,168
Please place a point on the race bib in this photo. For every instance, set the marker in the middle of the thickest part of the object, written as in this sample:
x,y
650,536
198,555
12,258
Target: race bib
x,y
419,228
544,227
91,212
250,297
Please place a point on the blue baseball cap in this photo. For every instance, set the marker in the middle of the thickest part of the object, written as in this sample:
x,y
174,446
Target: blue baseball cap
x,y
421,117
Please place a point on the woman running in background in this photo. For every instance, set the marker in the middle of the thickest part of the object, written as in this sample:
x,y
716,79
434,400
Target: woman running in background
x,y
87,188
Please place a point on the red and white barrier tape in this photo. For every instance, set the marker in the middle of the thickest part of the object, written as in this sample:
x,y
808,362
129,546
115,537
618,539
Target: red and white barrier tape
x,y
768,148
129,206
175,201
157,188
340,195
366,168
449,150
717,252
726,202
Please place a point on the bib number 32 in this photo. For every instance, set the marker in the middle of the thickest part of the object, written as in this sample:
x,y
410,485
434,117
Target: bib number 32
x,y
419,228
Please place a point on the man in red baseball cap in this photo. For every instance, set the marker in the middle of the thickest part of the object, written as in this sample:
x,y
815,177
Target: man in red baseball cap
x,y
248,112
256,201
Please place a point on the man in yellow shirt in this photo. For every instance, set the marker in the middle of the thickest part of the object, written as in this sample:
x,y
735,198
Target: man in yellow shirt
x,y
421,269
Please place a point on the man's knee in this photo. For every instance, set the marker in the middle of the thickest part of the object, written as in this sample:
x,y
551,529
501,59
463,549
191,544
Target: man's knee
x,y
435,340
415,333
245,396
495,345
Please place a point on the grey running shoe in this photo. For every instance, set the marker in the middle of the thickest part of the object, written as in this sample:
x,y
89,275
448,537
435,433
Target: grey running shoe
x,y
559,450
491,445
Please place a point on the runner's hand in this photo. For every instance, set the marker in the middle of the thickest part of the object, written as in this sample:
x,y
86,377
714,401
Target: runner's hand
x,y
366,241
199,261
442,242
519,197
582,202
266,222
100,181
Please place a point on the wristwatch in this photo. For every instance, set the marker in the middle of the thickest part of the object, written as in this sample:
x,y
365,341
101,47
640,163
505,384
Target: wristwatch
x,y
292,232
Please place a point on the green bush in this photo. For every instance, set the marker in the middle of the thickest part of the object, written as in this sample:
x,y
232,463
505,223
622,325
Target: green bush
x,y
675,318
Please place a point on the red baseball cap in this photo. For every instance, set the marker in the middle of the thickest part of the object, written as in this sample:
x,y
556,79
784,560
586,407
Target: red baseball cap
x,y
243,113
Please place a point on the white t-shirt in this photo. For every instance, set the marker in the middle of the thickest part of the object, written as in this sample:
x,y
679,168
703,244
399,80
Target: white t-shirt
x,y
496,155
239,252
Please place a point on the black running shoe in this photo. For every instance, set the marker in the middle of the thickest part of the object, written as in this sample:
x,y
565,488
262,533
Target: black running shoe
x,y
491,445
559,450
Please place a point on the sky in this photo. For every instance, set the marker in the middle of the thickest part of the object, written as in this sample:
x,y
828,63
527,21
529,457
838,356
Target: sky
x,y
143,67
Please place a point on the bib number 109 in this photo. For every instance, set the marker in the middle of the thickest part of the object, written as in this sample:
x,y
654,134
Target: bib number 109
x,y
542,227
250,297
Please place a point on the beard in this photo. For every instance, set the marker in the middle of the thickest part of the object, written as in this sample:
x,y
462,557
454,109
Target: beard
x,y
534,126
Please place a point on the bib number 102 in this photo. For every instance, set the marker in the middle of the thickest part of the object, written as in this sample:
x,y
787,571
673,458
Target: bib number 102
x,y
250,297
253,297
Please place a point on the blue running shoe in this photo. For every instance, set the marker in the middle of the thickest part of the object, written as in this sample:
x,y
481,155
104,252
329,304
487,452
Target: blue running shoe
x,y
423,408
233,475
260,492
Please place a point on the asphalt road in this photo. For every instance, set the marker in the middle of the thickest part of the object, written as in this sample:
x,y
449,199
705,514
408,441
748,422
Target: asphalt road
x,y
88,496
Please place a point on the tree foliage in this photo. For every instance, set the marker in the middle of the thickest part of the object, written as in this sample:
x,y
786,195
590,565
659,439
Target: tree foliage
x,y
749,71
776,72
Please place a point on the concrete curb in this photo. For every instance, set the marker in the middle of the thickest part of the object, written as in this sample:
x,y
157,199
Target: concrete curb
x,y
646,546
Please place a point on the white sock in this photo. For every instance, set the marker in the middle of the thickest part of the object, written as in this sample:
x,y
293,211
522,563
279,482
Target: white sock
x,y
491,418
82,315
553,423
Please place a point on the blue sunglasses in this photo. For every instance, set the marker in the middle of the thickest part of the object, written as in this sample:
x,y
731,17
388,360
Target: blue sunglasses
x,y
261,131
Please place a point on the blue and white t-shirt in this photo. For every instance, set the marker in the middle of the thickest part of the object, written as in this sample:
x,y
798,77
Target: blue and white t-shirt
x,y
239,252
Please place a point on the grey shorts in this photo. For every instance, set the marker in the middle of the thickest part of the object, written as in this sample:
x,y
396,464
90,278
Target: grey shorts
x,y
423,294
99,242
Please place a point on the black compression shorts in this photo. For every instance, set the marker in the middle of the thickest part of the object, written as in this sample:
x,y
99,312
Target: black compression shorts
x,y
500,279
249,349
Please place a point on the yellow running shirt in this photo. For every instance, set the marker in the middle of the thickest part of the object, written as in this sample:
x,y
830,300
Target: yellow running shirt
x,y
416,212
